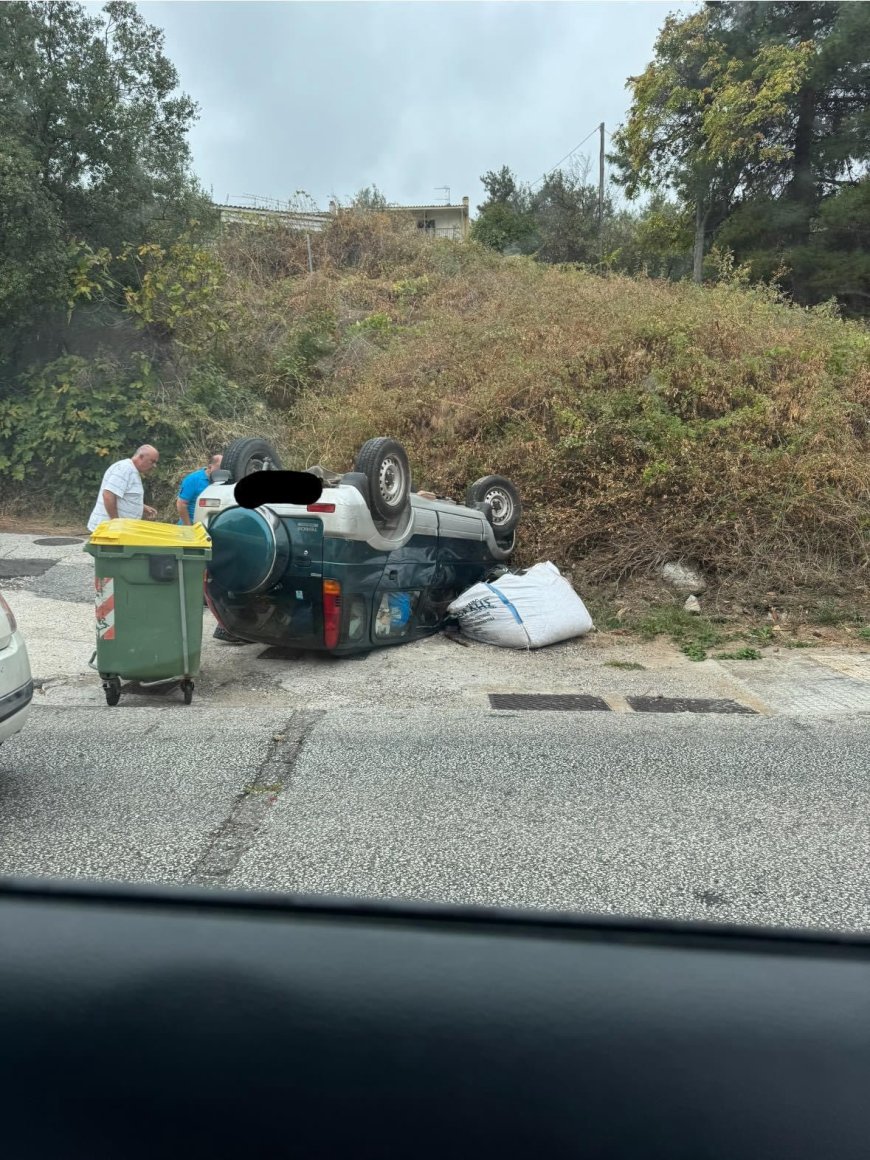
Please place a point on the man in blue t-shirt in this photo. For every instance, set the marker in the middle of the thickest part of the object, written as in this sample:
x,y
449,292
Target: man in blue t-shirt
x,y
192,487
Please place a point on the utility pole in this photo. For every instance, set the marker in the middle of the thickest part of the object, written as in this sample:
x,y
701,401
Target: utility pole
x,y
310,263
601,191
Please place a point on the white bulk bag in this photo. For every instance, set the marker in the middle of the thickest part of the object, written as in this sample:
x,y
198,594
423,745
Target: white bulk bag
x,y
528,610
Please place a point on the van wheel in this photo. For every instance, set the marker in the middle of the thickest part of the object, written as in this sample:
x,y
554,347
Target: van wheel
x,y
245,456
503,499
384,463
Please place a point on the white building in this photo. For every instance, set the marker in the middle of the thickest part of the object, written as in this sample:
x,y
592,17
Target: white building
x,y
251,214
437,221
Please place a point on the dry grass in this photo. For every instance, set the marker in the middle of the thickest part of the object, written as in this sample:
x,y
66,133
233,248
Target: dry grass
x,y
642,420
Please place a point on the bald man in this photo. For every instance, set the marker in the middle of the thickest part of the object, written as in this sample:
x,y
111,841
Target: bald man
x,y
122,495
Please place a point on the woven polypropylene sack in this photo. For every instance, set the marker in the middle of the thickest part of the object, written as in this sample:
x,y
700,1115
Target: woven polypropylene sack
x,y
527,610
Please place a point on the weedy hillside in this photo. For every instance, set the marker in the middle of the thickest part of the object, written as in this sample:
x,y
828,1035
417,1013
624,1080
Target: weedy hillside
x,y
643,420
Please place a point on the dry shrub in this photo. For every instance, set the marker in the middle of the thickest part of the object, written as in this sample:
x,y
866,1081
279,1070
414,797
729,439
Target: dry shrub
x,y
642,420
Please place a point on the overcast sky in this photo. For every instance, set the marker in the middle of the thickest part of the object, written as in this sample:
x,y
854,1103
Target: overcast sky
x,y
330,97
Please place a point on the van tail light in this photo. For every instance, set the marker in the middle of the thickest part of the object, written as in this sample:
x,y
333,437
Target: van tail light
x,y
331,612
9,614
209,503
321,507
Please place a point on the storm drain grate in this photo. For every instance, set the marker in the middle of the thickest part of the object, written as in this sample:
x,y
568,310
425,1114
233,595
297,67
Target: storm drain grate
x,y
19,569
686,705
568,702
57,541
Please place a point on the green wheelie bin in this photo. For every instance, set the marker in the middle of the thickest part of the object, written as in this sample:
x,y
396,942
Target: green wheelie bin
x,y
149,586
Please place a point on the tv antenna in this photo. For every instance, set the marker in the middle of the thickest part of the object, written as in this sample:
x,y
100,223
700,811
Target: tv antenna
x,y
446,189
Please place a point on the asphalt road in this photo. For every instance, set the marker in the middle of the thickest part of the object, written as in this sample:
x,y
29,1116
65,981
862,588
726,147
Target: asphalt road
x,y
391,776
748,819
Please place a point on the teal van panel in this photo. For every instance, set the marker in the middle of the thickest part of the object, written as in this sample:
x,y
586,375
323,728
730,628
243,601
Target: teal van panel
x,y
412,566
290,615
307,544
462,562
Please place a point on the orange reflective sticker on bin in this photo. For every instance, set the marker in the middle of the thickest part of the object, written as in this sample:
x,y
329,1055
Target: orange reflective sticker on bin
x,y
105,607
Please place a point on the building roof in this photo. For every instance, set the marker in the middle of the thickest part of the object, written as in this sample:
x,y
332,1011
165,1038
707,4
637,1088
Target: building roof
x,y
322,213
313,213
453,205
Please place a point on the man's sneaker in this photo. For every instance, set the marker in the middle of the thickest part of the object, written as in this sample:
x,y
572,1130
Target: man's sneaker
x,y
221,633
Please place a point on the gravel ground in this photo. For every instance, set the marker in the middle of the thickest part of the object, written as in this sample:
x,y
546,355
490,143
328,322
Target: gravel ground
x,y
55,611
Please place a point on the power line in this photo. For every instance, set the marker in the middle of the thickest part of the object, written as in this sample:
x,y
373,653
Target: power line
x,y
565,158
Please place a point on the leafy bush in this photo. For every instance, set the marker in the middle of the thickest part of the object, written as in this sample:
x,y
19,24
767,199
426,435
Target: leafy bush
x,y
64,423
173,291
68,420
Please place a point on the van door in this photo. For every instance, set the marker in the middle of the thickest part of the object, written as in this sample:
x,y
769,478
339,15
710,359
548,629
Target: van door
x,y
463,553
409,574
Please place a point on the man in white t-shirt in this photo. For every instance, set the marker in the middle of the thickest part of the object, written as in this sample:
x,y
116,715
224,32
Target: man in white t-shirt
x,y
122,495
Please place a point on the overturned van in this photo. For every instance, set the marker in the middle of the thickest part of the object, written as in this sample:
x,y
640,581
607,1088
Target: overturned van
x,y
371,563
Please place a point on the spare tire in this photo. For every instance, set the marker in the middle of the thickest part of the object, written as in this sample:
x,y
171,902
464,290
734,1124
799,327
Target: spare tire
x,y
504,502
384,463
250,550
245,456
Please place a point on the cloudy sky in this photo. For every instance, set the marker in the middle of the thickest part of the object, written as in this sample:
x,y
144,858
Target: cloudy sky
x,y
330,97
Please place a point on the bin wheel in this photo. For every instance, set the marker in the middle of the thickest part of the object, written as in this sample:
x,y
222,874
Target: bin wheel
x,y
187,689
113,691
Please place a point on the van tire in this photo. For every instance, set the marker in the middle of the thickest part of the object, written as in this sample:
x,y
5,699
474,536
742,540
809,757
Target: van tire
x,y
245,456
503,500
384,463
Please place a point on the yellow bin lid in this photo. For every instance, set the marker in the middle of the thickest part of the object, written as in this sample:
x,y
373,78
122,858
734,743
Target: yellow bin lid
x,y
150,534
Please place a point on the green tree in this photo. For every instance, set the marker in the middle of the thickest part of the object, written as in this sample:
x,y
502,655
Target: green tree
x,y
706,124
819,168
93,99
33,256
501,189
823,138
755,114
505,222
93,157
657,241
565,212
370,199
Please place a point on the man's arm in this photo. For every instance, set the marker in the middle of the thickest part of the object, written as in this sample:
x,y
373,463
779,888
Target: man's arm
x,y
182,509
110,500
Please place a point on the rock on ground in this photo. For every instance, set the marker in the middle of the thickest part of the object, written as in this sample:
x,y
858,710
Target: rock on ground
x,y
684,578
